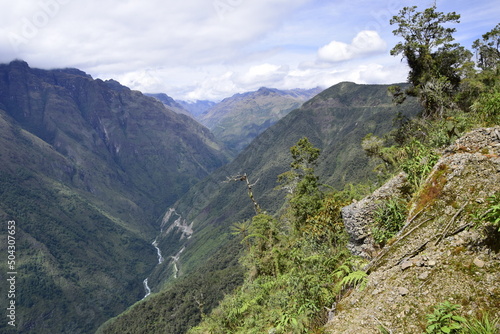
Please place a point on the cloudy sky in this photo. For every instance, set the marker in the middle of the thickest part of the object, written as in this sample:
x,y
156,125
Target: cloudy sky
x,y
212,49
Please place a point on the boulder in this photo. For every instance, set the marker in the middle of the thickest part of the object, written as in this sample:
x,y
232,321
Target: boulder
x,y
358,217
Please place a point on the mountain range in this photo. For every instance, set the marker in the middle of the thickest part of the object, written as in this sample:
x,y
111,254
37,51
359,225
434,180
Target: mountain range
x,y
109,187
237,120
336,120
88,167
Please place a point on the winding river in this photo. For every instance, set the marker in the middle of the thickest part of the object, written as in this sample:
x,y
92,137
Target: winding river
x,y
147,289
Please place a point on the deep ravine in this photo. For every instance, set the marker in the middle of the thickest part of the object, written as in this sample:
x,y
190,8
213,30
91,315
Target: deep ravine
x,y
177,224
147,289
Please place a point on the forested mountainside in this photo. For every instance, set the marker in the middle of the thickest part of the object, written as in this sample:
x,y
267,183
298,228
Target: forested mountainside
x,y
335,121
197,228
237,120
87,169
419,254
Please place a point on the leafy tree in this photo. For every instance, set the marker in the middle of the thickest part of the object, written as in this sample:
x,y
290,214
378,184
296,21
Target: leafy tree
x,y
488,49
302,183
436,63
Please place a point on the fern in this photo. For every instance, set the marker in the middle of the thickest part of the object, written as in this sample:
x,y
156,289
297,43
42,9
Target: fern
x,y
343,270
357,278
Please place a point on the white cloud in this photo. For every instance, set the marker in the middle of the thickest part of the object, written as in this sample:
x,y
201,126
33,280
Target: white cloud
x,y
364,43
336,51
263,74
214,88
212,49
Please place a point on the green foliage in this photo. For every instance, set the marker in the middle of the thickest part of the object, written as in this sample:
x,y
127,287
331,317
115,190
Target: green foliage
x,y
304,155
444,319
482,326
435,62
374,147
356,278
383,330
493,213
291,276
488,104
389,219
184,304
263,235
487,49
327,225
60,233
419,161
302,183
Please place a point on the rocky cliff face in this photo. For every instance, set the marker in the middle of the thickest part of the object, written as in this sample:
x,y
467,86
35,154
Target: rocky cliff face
x,y
87,168
445,252
113,136
359,216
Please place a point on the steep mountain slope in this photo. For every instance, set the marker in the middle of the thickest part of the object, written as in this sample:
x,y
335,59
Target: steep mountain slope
x,y
335,121
447,250
237,120
170,103
87,168
199,223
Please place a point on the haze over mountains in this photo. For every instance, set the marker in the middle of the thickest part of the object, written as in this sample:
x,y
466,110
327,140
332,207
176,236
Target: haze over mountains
x,y
238,119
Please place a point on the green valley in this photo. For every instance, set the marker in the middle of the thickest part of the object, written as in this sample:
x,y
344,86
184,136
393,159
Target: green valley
x,y
384,218
359,208
86,167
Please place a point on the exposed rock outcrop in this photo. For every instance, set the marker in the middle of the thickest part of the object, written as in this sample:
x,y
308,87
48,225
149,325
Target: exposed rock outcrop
x,y
358,217
444,252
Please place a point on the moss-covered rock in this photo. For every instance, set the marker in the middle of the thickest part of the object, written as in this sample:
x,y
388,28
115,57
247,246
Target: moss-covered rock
x,y
445,252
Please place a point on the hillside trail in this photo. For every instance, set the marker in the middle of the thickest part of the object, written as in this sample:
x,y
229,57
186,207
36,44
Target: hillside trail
x,y
443,253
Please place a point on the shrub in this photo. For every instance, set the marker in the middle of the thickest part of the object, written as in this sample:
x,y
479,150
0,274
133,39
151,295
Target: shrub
x,y
493,213
482,326
444,320
389,219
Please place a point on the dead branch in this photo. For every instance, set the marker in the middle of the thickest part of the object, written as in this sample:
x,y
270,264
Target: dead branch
x,y
244,177
375,261
445,231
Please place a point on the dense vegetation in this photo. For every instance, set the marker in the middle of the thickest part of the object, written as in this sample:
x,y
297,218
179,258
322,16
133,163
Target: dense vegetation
x,y
335,121
182,305
297,265
86,168
278,261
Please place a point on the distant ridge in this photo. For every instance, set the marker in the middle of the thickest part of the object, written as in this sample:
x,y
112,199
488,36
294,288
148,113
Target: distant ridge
x,y
170,103
87,167
237,120
197,108
335,121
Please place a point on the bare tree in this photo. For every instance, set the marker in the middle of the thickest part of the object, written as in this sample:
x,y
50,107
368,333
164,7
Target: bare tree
x,y
244,177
